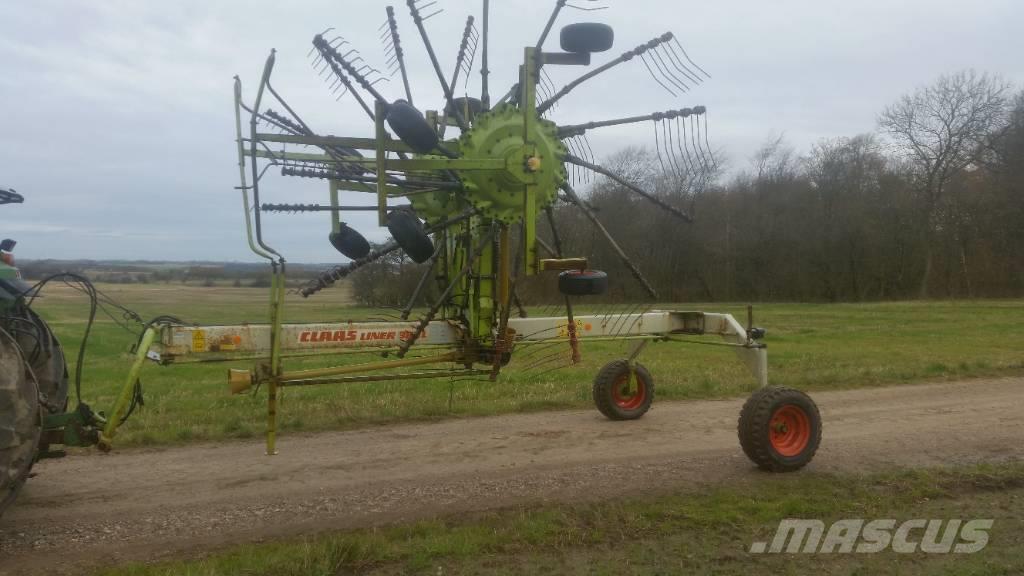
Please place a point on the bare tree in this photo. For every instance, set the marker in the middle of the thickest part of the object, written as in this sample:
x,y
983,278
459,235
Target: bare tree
x,y
943,129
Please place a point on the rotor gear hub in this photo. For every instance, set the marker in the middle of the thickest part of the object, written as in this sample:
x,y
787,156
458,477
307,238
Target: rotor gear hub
x,y
499,194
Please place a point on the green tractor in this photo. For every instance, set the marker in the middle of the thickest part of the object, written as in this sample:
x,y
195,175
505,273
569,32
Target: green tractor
x,y
33,374
35,385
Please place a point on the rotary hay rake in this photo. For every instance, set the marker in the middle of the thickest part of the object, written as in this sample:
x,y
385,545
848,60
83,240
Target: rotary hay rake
x,y
468,206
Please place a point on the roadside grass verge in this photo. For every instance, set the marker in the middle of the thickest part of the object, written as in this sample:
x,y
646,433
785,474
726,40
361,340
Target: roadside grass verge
x,y
708,531
811,346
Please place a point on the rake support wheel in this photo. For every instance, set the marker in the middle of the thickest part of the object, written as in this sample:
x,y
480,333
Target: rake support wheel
x,y
780,429
623,393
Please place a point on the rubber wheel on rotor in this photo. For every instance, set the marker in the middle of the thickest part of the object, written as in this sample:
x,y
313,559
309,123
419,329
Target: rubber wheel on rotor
x,y
780,429
350,243
587,37
20,420
411,127
618,395
408,232
582,282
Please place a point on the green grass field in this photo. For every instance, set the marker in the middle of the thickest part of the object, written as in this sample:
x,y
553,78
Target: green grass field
x,y
811,346
691,533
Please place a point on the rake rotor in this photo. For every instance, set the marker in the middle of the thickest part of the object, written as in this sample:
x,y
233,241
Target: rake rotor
x,y
507,165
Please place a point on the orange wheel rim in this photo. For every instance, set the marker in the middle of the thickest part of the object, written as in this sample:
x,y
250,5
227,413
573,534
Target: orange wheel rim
x,y
626,396
789,430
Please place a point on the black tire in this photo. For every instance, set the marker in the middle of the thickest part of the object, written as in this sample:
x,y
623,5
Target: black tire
x,y
408,231
608,391
20,420
587,37
411,127
350,243
582,282
780,429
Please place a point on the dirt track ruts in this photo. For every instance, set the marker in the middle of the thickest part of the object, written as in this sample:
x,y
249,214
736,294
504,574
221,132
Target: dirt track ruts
x,y
155,503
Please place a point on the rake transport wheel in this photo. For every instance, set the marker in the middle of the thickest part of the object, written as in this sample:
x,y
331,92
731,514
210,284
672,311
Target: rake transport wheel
x,y
20,420
621,393
780,429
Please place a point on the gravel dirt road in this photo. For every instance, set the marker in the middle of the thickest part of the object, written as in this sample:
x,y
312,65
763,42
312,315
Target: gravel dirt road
x,y
94,509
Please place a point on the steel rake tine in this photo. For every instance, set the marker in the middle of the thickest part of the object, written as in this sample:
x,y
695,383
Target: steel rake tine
x,y
700,152
643,58
687,56
663,67
536,363
657,147
691,158
575,150
695,168
581,146
590,151
669,148
706,143
673,57
585,9
620,321
683,152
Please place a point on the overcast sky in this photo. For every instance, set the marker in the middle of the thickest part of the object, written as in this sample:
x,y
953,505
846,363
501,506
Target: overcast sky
x,y
118,127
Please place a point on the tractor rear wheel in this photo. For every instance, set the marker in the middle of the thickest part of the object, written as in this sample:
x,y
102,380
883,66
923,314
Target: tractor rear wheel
x,y
20,420
622,393
780,429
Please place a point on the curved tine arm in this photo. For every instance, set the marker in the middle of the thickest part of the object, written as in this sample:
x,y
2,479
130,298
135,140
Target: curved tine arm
x,y
632,187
